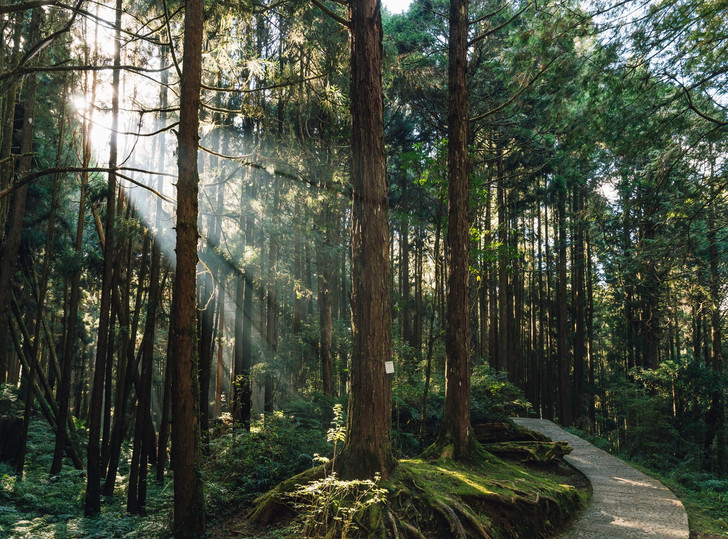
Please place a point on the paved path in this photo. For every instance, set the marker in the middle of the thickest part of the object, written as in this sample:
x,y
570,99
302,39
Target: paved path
x,y
626,503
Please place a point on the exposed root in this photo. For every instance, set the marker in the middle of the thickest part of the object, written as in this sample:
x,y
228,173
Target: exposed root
x,y
456,527
414,532
439,499
472,520
393,523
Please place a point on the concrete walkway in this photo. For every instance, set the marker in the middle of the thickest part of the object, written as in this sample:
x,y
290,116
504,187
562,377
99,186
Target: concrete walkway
x,y
626,503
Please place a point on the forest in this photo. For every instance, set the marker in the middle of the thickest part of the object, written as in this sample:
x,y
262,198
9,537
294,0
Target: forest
x,y
246,239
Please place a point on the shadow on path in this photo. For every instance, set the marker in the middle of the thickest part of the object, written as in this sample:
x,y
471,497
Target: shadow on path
x,y
626,503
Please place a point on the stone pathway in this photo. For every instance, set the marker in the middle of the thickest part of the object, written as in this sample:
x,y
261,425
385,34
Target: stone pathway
x,y
626,503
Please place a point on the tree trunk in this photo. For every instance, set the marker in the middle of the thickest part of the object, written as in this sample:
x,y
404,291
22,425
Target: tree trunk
x,y
93,475
164,421
42,289
64,386
189,509
271,324
136,497
455,433
368,447
324,265
548,398
10,247
6,162
562,337
239,378
220,340
716,413
503,361
579,297
590,352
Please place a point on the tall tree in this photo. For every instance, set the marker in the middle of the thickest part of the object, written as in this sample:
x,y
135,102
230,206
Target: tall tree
x,y
10,247
455,431
189,509
368,447
94,471
563,329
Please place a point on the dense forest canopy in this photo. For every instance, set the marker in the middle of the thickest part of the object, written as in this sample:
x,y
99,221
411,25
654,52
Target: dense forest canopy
x,y
198,221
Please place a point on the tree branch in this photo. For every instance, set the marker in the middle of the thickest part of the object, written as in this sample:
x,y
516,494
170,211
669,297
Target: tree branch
x,y
494,30
338,18
12,8
519,92
65,170
488,15
694,108
262,88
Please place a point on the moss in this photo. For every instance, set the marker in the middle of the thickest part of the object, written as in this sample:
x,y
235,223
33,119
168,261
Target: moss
x,y
492,497
275,504
445,498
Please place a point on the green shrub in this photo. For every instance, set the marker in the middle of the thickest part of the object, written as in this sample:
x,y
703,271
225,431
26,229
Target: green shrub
x,y
242,465
493,397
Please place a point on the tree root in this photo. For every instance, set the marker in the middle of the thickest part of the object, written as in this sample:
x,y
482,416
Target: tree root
x,y
393,523
414,532
455,525
473,521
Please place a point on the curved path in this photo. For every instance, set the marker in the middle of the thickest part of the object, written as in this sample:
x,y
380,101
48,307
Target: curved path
x,y
626,503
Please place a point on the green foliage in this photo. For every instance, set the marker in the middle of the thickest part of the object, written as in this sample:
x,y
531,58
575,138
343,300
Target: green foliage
x,y
493,397
46,506
411,432
327,506
243,465
659,416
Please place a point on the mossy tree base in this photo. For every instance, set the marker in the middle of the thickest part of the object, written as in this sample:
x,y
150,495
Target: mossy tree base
x,y
275,507
441,498
444,448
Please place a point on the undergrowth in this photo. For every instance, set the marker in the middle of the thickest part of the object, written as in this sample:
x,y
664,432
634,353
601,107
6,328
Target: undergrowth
x,y
45,506
486,497
240,466
243,465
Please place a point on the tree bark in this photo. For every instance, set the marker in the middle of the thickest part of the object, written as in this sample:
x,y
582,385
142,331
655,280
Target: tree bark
x,y
503,361
716,412
10,247
42,289
94,464
136,498
324,265
579,297
189,509
64,386
368,447
456,433
565,416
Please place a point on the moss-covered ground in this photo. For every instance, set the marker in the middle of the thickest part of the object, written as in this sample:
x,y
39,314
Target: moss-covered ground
x,y
437,498
487,497
40,505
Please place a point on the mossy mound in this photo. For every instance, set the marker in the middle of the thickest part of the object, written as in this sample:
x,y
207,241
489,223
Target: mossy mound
x,y
433,499
494,499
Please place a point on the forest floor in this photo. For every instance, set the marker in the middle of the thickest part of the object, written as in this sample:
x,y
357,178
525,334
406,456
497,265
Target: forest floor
x,y
626,502
505,497
486,497
508,499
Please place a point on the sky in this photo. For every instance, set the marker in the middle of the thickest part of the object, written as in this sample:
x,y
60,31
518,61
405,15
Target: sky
x,y
396,6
